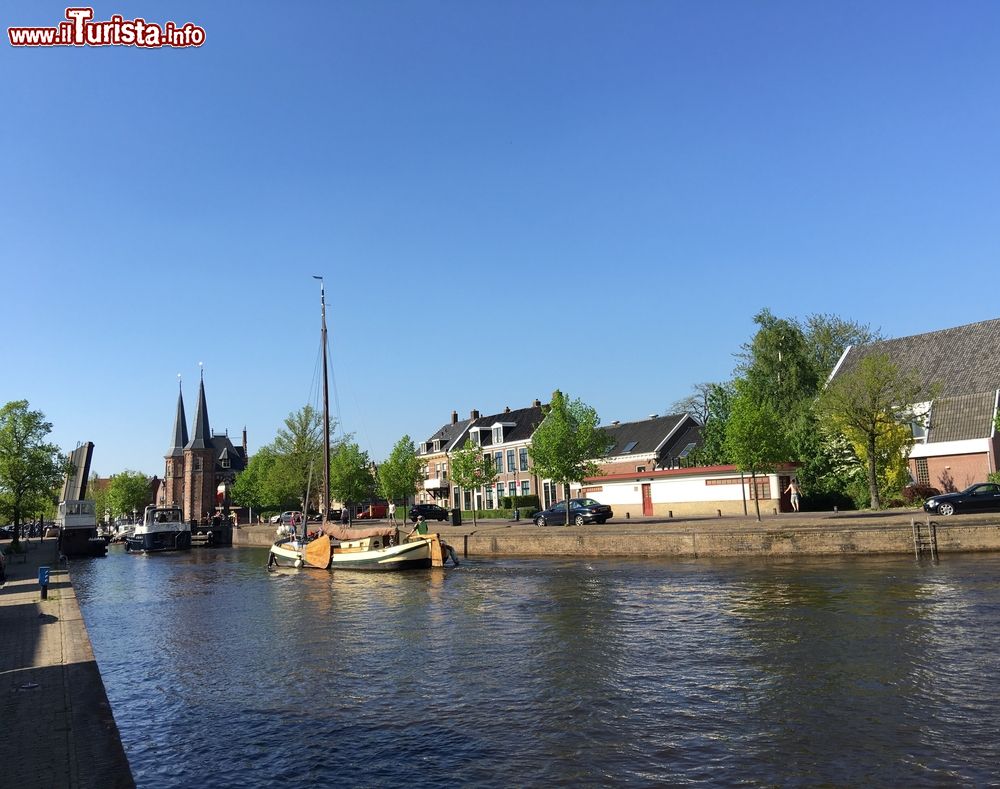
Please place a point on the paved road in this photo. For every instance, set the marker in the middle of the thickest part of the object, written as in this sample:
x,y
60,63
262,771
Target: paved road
x,y
56,726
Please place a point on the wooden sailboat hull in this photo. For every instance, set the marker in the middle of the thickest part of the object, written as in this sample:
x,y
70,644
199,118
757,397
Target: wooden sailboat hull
x,y
407,556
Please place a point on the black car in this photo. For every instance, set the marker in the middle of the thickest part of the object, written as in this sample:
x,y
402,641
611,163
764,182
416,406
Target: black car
x,y
431,512
581,511
981,497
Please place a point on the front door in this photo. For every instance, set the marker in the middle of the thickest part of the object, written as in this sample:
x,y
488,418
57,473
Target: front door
x,y
647,499
785,501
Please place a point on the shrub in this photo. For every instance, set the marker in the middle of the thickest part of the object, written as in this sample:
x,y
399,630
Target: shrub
x,y
917,494
522,502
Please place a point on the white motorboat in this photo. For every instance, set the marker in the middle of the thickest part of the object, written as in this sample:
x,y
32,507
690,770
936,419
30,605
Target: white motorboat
x,y
162,529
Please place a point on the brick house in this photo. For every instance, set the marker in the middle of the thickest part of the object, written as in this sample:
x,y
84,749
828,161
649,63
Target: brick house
x,y
434,454
958,444
505,438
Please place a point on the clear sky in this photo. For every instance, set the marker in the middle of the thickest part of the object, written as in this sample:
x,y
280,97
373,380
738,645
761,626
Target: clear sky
x,y
504,197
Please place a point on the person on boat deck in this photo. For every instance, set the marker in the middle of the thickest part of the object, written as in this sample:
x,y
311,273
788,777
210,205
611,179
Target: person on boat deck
x,y
345,515
421,526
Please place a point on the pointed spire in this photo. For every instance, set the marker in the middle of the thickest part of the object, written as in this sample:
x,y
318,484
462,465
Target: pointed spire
x,y
180,424
202,436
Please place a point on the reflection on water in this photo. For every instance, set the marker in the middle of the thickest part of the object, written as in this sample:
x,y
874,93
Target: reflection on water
x,y
536,673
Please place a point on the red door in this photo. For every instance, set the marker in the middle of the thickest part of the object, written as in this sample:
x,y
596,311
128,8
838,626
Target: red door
x,y
647,499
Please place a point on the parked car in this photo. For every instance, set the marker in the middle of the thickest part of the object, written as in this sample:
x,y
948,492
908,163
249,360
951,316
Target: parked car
x,y
431,512
581,511
285,518
981,497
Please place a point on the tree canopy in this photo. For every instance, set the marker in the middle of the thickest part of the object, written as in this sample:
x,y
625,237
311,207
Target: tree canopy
x,y
402,472
871,405
30,467
472,470
567,442
351,476
127,492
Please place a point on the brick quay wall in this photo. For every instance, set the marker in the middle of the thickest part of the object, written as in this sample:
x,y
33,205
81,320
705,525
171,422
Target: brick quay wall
x,y
785,534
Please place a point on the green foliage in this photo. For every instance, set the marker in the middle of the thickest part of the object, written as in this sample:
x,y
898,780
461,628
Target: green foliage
x,y
471,470
263,485
565,442
30,468
777,365
993,476
351,478
870,406
828,336
399,476
521,502
712,452
98,495
128,491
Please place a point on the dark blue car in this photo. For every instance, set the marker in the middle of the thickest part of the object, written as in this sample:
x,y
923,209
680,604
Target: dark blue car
x,y
981,497
581,511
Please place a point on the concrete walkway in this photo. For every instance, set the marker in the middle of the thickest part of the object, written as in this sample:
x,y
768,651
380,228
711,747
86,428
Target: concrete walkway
x,y
57,728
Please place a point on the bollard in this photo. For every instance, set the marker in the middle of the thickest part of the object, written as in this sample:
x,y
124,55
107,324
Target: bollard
x,y
719,513
628,515
775,510
835,510
670,513
43,581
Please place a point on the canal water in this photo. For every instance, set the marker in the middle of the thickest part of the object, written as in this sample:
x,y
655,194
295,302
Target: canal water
x,y
513,672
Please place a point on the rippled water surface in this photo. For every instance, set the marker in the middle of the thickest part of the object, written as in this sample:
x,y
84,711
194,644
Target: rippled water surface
x,y
862,671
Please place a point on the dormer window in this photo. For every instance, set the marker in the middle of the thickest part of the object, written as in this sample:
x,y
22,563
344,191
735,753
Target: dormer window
x,y
474,436
629,447
498,434
225,462
437,445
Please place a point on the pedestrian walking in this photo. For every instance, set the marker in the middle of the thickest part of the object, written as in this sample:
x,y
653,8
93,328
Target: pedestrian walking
x,y
796,493
392,511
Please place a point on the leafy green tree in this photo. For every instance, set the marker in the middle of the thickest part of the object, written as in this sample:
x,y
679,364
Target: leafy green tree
x,y
567,442
712,451
298,448
128,492
99,495
30,468
755,439
399,476
351,477
777,364
472,470
262,486
869,403
827,337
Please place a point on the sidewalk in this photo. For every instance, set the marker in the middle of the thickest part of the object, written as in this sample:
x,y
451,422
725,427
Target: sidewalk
x,y
57,726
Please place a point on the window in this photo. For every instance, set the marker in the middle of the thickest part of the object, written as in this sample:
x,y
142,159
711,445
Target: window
x,y
489,498
169,467
437,446
474,435
687,450
629,447
510,460
923,476
640,469
455,497
225,462
919,431
525,487
498,462
499,491
498,435
512,487
523,452
197,464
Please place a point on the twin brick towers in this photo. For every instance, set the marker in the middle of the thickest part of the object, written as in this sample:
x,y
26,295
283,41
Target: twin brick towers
x,y
200,470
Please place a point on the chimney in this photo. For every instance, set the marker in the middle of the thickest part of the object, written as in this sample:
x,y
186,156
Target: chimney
x,y
536,404
245,442
616,423
506,410
473,414
653,416
454,417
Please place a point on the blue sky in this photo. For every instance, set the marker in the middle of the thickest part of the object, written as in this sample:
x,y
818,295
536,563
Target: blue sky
x,y
504,197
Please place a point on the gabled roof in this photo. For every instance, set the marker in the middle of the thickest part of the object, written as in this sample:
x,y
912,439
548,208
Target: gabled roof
x,y
962,417
224,449
448,435
641,438
959,361
525,420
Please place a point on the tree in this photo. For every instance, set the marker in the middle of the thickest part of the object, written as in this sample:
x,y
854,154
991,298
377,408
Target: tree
x,y
712,451
29,467
99,495
755,439
827,336
128,492
868,402
777,364
696,404
567,441
298,447
351,478
472,470
399,476
261,486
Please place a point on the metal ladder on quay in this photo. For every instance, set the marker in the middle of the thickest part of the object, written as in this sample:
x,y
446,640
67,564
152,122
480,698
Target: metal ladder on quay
x,y
924,538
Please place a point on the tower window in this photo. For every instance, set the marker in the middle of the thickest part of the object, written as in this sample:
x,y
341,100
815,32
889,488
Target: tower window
x,y
197,464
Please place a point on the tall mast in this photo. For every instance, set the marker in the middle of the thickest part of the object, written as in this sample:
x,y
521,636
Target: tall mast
x,y
326,404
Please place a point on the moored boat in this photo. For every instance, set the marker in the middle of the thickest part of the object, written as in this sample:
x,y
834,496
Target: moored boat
x,y
162,529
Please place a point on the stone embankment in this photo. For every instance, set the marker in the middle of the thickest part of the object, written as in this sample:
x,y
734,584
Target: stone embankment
x,y
58,730
804,534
